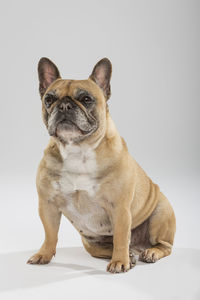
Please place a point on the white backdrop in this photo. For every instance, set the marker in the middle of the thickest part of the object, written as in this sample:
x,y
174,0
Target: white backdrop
x,y
154,48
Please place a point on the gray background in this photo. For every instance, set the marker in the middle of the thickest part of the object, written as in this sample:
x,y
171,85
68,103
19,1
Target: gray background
x,y
154,48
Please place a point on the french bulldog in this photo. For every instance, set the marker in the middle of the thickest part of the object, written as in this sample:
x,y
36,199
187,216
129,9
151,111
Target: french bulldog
x,y
88,175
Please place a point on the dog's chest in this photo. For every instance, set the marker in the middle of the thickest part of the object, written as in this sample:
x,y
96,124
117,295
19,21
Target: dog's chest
x,y
78,172
78,188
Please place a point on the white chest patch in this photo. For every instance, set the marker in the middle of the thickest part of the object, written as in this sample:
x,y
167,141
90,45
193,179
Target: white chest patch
x,y
78,186
78,171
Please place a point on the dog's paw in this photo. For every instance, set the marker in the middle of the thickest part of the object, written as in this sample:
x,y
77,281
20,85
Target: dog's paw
x,y
149,255
120,266
132,259
40,259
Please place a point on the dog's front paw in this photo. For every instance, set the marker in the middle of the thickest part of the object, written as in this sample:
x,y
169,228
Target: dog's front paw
x,y
120,266
40,259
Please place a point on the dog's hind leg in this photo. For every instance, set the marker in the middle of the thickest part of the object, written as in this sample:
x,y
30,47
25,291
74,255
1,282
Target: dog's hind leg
x,y
97,248
162,227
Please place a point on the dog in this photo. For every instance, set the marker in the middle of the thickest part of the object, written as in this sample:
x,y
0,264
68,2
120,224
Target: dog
x,y
88,175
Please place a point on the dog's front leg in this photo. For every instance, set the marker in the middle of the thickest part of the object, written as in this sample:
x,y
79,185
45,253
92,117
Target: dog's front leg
x,y
121,218
50,217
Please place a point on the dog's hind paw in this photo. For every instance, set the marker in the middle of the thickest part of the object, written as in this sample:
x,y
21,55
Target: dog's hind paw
x,y
150,255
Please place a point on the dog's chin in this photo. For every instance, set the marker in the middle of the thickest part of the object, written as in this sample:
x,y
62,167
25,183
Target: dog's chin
x,y
68,132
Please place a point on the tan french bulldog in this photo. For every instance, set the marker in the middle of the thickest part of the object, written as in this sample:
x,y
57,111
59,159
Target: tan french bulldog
x,y
88,175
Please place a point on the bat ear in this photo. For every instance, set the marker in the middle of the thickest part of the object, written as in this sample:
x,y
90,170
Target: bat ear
x,y
101,75
47,73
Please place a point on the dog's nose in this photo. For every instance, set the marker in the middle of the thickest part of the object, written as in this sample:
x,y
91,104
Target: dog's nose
x,y
65,106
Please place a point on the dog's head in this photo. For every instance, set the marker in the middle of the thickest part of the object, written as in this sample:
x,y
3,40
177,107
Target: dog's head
x,y
74,110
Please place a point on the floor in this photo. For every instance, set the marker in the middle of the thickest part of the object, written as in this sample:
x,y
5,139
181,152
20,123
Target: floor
x,y
73,274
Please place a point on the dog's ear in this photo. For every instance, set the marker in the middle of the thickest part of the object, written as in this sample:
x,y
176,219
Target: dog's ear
x,y
47,73
101,74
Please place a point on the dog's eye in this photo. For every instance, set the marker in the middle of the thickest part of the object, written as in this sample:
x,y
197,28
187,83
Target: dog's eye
x,y
49,100
86,99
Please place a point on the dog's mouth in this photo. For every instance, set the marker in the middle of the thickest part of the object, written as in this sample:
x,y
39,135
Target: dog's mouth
x,y
75,128
69,127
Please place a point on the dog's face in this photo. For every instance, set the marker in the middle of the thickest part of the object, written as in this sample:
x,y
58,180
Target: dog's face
x,y
74,110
